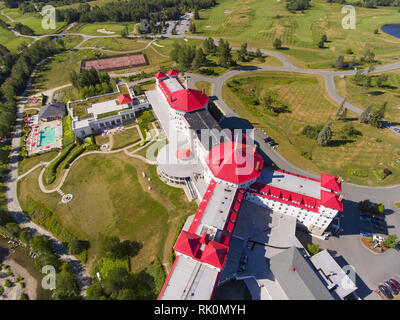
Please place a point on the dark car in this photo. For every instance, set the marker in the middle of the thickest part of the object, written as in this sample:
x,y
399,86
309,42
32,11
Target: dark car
x,y
378,228
395,283
267,139
385,291
272,143
381,218
365,215
379,222
392,288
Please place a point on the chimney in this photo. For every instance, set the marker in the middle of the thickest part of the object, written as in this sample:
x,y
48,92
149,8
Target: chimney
x,y
203,91
258,166
339,180
170,98
340,198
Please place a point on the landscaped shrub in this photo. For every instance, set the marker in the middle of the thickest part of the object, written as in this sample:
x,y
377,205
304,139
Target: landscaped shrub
x,y
74,154
50,172
68,133
312,131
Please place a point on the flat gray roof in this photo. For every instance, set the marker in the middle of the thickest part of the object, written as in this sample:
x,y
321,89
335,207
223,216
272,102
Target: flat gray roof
x,y
333,274
291,182
296,276
173,84
190,280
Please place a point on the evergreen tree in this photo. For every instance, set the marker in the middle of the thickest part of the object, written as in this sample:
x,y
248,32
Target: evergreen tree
x,y
192,27
224,54
242,53
200,59
209,46
377,116
325,135
339,110
277,43
364,116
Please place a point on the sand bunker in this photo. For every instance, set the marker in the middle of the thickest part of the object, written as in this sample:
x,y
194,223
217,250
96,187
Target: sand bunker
x,y
105,31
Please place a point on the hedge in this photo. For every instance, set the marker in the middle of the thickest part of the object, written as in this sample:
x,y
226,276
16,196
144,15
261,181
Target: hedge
x,y
50,172
74,154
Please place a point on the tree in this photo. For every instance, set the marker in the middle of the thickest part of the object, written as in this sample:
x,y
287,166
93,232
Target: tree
x,y
325,135
66,286
13,229
377,116
196,14
95,292
340,109
339,63
41,244
324,38
242,52
192,27
224,54
364,116
390,241
321,44
381,79
76,246
209,46
25,236
200,59
364,205
379,208
277,43
313,249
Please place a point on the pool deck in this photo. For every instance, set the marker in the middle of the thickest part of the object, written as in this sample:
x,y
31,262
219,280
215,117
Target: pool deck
x,y
33,139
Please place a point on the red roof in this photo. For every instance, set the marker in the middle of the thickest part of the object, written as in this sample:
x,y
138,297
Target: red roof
x,y
124,98
187,243
183,154
160,75
215,254
236,165
172,73
331,200
187,100
331,182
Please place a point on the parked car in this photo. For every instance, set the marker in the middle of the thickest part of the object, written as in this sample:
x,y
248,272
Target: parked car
x,y
395,283
364,218
268,139
385,291
380,222
364,214
391,287
381,218
365,233
379,228
272,143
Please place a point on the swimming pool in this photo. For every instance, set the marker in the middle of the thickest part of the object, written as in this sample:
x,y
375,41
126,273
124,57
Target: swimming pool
x,y
47,136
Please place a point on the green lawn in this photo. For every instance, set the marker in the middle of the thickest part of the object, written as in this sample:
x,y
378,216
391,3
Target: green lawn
x,y
117,44
256,22
373,151
362,97
95,27
28,163
111,197
12,42
207,86
126,137
32,20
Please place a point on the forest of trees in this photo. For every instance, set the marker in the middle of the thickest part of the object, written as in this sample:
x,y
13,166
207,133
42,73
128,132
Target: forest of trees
x,y
132,10
90,83
369,3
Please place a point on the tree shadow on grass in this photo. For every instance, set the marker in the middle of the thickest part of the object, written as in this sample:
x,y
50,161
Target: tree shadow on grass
x,y
339,142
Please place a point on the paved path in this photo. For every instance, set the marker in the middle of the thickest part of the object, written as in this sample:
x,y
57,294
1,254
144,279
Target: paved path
x,y
14,209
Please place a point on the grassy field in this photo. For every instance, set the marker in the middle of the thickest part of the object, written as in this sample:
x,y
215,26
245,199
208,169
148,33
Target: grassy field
x,y
93,28
12,42
260,22
28,163
362,97
308,103
111,197
31,19
207,86
117,44
126,137
48,75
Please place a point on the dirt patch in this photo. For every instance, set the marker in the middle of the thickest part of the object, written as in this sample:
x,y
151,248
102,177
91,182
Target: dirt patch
x,y
105,31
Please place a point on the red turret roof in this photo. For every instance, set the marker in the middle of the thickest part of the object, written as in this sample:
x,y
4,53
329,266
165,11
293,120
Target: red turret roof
x,y
331,182
331,200
160,75
187,100
187,243
124,98
235,165
172,73
215,254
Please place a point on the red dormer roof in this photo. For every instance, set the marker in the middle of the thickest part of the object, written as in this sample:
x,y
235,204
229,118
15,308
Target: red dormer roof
x,y
237,165
183,154
124,98
331,200
173,73
215,254
331,182
187,243
160,75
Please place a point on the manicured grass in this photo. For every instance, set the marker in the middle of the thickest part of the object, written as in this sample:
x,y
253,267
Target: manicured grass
x,y
256,22
126,137
48,75
28,163
100,140
308,105
111,197
92,28
117,44
72,41
31,19
12,42
362,97
397,204
207,86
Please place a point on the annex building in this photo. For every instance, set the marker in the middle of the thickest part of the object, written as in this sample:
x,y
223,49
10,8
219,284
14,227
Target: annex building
x,y
223,170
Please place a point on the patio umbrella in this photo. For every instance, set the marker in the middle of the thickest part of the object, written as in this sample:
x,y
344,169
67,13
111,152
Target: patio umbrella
x,y
28,143
47,147
33,143
36,134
